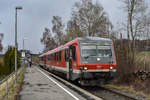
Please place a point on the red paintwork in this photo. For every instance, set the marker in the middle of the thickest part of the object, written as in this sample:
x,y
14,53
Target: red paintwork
x,y
76,64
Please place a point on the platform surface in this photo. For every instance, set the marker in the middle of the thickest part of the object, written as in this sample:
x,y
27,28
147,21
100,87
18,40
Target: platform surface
x,y
39,86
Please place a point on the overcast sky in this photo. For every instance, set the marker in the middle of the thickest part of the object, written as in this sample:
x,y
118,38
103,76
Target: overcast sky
x,y
37,14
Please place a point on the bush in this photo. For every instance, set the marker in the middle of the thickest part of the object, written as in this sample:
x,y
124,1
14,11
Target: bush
x,y
1,69
9,61
125,65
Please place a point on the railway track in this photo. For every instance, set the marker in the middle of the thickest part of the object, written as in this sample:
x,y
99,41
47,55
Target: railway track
x,y
112,94
95,93
123,94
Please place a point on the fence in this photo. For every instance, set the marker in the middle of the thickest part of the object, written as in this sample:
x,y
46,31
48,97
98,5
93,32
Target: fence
x,y
7,85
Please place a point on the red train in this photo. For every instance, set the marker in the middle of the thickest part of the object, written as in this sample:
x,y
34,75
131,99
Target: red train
x,y
89,60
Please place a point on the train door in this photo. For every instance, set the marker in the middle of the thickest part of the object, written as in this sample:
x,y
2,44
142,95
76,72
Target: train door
x,y
67,62
70,62
69,58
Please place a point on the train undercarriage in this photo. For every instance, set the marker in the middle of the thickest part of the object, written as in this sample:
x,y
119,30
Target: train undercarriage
x,y
86,78
94,78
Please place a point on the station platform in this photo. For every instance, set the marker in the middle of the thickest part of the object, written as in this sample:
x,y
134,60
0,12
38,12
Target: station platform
x,y
39,86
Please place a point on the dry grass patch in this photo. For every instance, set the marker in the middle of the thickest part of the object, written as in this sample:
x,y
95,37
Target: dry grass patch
x,y
129,89
13,89
143,59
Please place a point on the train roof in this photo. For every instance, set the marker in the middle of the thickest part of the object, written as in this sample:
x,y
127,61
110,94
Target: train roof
x,y
93,38
70,42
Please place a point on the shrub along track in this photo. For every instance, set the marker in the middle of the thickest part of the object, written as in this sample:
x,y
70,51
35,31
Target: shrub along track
x,y
95,92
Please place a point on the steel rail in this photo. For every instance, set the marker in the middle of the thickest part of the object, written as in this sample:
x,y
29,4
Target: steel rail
x,y
123,94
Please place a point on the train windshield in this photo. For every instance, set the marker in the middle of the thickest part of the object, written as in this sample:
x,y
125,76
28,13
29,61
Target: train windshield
x,y
91,52
99,51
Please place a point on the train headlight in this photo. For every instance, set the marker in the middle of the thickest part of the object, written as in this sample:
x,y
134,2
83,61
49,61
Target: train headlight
x,y
111,67
98,59
85,68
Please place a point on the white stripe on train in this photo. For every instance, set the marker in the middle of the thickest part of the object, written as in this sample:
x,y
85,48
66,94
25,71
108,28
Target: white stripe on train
x,y
64,69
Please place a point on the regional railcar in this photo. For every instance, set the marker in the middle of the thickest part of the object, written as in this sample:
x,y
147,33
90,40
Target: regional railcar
x,y
89,61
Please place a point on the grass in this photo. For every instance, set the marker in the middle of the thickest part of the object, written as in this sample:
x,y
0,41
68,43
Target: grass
x,y
142,60
2,77
1,60
141,56
129,89
13,89
137,86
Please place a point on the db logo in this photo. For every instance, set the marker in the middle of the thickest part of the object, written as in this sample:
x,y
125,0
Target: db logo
x,y
98,67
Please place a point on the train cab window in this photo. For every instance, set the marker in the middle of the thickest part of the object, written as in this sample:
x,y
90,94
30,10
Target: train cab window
x,y
74,52
70,53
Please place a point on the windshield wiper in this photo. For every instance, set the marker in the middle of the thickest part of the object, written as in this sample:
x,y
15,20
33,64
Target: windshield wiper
x,y
86,57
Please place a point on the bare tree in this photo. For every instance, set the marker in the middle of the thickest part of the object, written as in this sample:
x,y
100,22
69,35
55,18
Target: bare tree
x,y
1,38
91,18
57,28
136,29
135,11
73,30
143,30
47,40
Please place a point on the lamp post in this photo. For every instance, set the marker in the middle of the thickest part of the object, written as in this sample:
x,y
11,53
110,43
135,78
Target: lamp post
x,y
16,44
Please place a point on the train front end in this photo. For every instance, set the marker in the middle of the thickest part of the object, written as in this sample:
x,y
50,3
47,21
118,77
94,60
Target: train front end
x,y
97,61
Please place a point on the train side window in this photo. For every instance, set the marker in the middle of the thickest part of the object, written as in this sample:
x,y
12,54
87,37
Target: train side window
x,y
74,52
55,57
40,58
59,55
66,54
44,58
49,57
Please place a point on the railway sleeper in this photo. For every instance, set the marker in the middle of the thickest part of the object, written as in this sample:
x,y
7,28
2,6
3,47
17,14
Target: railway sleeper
x,y
90,82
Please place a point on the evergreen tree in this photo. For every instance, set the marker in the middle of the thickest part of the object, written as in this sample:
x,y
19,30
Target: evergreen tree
x,y
9,61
